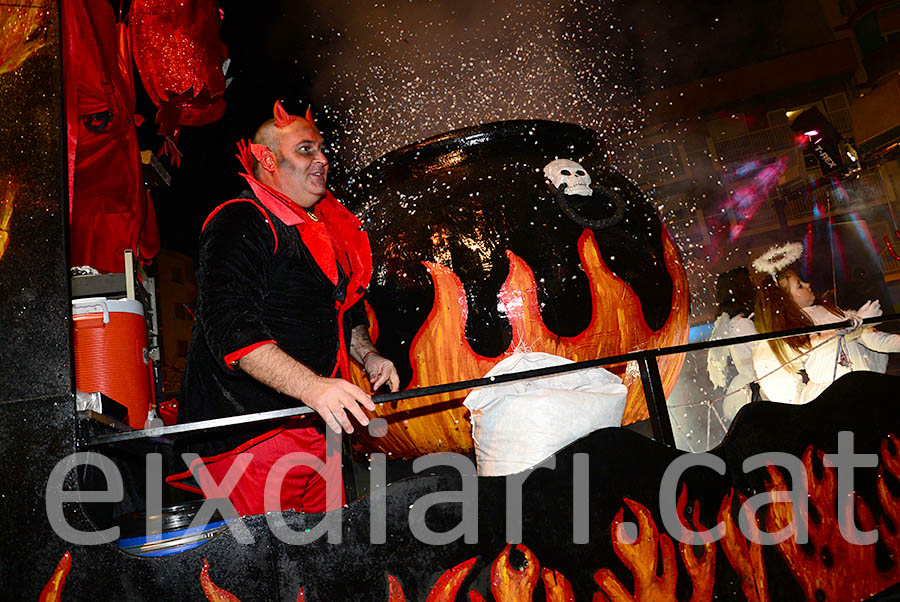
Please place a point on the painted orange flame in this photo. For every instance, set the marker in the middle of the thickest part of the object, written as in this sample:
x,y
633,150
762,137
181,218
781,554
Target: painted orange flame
x,y
444,590
7,196
213,592
850,574
395,591
449,583
844,572
890,505
701,569
440,352
22,32
557,586
52,592
837,568
509,584
641,558
745,556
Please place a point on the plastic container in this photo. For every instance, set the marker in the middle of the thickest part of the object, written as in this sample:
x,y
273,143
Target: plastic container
x,y
111,353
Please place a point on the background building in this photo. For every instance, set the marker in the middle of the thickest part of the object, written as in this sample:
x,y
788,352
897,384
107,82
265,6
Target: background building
x,y
732,177
176,290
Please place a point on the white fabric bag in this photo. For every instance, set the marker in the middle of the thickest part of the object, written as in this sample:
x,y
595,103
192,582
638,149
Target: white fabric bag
x,y
517,425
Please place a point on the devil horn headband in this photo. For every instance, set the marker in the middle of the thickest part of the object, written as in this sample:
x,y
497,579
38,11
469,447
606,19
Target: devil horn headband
x,y
282,118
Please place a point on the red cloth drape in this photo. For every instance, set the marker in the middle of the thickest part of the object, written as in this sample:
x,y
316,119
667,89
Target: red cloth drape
x,y
179,57
109,209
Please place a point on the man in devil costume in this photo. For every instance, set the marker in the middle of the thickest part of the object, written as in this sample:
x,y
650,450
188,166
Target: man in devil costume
x,y
282,271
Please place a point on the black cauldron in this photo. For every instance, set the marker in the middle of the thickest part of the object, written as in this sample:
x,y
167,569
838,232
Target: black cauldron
x,y
466,199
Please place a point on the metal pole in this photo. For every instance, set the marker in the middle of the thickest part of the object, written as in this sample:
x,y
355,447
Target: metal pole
x,y
656,400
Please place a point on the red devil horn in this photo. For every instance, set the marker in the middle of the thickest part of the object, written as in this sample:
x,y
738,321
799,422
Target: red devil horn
x,y
281,116
309,116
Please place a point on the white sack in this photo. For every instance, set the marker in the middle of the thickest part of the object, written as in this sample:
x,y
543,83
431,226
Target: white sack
x,y
517,425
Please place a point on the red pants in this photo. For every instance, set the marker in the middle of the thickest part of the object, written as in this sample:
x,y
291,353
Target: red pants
x,y
303,488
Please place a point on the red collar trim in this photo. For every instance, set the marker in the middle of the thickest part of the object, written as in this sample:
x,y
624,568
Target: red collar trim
x,y
335,225
328,209
280,206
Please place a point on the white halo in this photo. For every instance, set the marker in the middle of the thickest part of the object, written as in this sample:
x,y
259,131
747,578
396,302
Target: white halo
x,y
777,258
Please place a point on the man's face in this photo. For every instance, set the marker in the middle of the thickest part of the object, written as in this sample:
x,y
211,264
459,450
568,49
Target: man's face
x,y
302,170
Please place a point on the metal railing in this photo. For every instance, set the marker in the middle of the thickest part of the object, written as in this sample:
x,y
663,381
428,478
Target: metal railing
x,y
841,121
647,362
888,263
773,139
863,191
754,144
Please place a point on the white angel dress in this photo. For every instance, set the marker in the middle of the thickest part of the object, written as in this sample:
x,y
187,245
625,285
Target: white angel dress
x,y
737,392
864,349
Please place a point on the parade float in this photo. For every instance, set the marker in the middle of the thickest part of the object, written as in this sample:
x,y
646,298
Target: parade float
x,y
480,254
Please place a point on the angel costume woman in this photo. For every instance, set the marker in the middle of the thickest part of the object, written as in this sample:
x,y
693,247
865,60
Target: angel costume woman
x,y
785,302
735,295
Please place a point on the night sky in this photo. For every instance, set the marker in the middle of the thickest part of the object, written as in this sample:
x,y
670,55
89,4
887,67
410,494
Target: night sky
x,y
382,75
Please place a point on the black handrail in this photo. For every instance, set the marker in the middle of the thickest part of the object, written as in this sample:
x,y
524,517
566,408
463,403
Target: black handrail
x,y
653,393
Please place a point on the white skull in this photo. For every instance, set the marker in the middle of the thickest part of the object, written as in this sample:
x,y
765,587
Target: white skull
x,y
565,171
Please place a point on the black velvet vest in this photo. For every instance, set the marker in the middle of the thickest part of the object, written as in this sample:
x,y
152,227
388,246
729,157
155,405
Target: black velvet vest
x,y
253,290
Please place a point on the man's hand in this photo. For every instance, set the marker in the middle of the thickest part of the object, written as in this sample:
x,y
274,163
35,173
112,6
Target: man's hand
x,y
378,368
331,398
381,370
